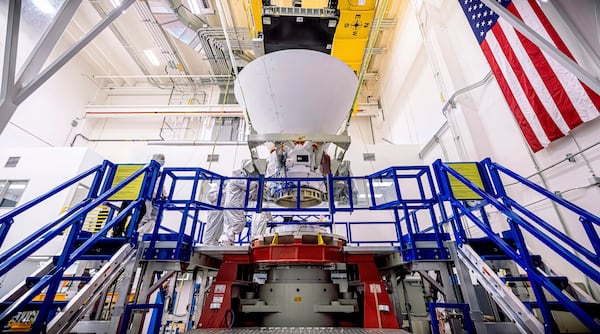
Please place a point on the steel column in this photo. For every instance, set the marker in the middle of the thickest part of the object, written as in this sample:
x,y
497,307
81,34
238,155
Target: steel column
x,y
47,42
11,42
26,91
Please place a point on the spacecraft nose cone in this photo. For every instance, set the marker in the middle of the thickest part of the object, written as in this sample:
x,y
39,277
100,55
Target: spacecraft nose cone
x,y
296,91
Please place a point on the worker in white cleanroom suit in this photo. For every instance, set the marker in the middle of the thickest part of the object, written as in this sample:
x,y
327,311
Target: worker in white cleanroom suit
x,y
259,223
214,218
234,220
148,211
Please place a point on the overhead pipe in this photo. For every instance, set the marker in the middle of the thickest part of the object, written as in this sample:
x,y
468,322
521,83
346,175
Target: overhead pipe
x,y
224,22
80,135
451,103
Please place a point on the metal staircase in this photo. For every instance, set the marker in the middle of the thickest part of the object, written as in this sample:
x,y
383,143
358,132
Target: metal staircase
x,y
50,299
504,261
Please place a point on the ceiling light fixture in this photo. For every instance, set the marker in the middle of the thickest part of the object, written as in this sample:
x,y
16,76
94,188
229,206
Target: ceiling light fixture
x,y
382,183
194,6
151,57
116,3
44,6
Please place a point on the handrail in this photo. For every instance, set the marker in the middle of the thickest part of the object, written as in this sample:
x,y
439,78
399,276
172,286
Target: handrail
x,y
572,207
23,249
37,234
396,197
69,256
52,192
570,257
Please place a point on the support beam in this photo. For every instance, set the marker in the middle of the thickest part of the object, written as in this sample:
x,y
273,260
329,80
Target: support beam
x,y
590,80
26,91
7,88
39,55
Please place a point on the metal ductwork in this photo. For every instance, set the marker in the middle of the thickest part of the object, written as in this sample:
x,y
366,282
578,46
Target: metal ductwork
x,y
177,20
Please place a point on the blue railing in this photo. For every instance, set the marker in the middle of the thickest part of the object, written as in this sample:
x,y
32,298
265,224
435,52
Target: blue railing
x,y
521,220
101,190
408,192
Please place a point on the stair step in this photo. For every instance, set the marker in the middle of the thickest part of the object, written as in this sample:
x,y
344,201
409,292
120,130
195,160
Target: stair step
x,y
561,282
95,257
104,246
32,280
486,247
537,259
31,306
591,308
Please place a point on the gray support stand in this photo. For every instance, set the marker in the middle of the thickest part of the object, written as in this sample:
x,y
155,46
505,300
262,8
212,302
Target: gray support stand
x,y
147,285
124,288
468,292
86,298
468,262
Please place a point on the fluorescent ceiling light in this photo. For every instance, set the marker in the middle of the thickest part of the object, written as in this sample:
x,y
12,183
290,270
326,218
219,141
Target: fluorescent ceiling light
x,y
194,6
17,186
44,6
152,57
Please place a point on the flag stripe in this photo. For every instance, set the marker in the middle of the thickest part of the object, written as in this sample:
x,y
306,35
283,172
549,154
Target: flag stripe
x,y
566,111
532,138
547,100
522,80
585,100
560,44
547,84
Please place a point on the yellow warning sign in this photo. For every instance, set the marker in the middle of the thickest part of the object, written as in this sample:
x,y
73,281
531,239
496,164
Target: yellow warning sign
x,y
132,190
297,299
470,172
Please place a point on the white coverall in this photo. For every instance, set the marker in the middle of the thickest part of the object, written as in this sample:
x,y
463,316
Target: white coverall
x,y
234,220
259,223
214,218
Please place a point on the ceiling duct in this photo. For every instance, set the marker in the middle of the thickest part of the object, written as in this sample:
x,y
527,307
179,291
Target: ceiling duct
x,y
178,20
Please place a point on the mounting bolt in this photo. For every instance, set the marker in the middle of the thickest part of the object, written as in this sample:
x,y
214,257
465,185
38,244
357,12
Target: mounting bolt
x,y
570,157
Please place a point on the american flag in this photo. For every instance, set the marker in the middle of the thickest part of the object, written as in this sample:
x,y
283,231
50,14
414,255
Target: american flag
x,y
546,99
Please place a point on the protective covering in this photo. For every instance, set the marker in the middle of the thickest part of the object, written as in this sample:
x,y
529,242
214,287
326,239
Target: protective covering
x,y
273,164
214,219
259,223
296,91
234,220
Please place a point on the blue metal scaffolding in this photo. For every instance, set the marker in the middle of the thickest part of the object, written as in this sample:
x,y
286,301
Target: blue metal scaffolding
x,y
422,200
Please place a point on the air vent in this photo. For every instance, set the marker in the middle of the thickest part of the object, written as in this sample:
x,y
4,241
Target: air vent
x,y
12,162
212,158
368,156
